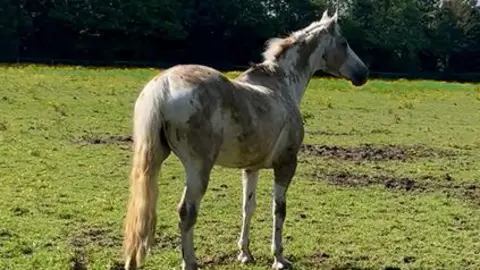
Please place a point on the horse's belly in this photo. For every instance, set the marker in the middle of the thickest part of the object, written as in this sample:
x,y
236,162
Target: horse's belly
x,y
236,156
242,150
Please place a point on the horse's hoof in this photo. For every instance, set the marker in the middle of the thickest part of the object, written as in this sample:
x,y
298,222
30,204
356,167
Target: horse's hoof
x,y
245,257
282,265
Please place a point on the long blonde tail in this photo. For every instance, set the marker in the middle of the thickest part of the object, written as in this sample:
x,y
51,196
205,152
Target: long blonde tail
x,y
150,150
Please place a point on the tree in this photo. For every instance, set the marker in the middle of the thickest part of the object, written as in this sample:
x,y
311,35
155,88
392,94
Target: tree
x,y
394,29
457,34
390,35
13,23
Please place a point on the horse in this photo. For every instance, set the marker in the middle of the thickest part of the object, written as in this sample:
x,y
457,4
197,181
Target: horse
x,y
250,122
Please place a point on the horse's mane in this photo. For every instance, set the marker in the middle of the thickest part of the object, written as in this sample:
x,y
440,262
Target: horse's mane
x,y
276,47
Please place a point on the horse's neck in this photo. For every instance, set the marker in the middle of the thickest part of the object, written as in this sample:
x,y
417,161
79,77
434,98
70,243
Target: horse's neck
x,y
297,84
297,76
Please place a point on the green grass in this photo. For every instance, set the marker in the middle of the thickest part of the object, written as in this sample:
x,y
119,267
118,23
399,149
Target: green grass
x,y
62,200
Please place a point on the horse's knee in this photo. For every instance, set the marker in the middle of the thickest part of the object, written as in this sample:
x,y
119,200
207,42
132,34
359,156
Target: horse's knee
x,y
188,215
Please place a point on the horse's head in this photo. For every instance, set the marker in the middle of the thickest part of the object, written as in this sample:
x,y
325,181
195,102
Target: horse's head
x,y
333,54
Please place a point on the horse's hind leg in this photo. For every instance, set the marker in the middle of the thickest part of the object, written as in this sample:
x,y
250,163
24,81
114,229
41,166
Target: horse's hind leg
x,y
197,178
250,179
283,176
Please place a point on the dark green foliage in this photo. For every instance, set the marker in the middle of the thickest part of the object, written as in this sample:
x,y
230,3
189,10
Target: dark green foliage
x,y
410,36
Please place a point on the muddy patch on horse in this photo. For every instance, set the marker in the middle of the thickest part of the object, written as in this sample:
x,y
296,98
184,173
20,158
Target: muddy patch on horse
x,y
370,152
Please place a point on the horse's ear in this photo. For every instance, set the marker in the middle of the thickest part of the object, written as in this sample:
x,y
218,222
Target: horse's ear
x,y
325,15
332,25
335,16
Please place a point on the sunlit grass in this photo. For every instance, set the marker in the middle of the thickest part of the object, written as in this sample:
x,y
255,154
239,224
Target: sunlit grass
x,y
64,201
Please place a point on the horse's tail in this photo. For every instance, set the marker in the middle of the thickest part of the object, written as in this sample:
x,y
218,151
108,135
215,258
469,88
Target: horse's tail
x,y
150,150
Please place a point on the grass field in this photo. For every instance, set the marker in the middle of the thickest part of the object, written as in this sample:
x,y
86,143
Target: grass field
x,y
389,177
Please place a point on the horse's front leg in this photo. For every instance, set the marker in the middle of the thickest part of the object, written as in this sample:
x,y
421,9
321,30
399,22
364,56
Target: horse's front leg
x,y
250,179
283,176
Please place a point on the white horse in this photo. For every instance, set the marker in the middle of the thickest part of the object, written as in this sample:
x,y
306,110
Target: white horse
x,y
251,122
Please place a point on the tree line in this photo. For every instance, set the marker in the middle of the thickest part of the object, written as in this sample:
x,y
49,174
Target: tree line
x,y
407,36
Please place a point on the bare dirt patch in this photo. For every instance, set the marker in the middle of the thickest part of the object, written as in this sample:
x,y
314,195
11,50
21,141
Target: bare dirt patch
x,y
319,257
218,259
78,261
409,259
369,152
166,241
109,139
364,152
5,234
91,235
117,266
123,141
426,183
19,211
26,250
96,236
351,132
350,179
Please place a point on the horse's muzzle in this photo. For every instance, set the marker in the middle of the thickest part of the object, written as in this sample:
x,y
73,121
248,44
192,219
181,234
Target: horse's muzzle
x,y
360,78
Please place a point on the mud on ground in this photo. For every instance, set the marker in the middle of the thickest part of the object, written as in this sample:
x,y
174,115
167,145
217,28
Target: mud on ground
x,y
95,235
364,152
110,139
106,237
424,183
78,261
369,152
